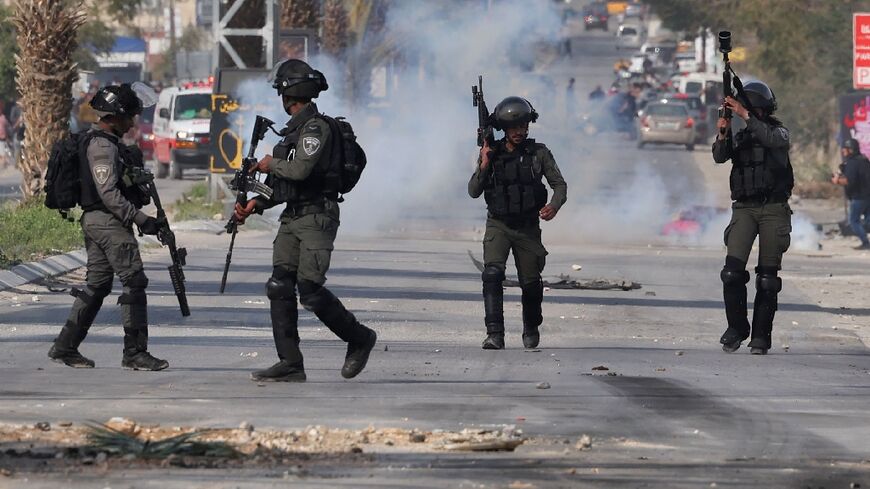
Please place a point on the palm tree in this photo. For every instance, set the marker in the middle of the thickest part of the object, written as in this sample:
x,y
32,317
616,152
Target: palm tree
x,y
45,73
300,14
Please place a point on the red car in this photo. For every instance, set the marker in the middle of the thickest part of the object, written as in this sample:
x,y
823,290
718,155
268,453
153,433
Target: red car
x,y
146,133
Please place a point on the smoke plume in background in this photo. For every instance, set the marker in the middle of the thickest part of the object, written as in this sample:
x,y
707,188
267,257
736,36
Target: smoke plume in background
x,y
421,143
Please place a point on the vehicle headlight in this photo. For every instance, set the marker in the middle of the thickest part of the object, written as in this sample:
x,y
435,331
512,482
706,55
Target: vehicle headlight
x,y
184,135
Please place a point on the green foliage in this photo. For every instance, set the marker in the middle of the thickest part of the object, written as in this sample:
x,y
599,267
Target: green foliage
x,y
94,36
194,205
122,11
114,442
8,50
30,231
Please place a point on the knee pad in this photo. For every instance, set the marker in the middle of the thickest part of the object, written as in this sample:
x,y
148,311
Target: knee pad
x,y
92,295
734,277
278,288
133,296
767,280
136,281
493,272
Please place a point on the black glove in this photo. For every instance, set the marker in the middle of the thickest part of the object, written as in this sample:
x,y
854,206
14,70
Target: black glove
x,y
150,226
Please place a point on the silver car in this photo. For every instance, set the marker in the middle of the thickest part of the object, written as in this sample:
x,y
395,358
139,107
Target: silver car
x,y
666,122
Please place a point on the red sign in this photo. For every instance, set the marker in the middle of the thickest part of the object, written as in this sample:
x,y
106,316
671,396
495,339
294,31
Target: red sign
x,y
861,51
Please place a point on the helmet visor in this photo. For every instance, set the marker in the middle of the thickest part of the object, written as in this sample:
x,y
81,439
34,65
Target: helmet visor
x,y
273,75
145,94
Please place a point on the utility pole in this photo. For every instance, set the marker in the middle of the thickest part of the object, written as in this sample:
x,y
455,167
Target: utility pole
x,y
172,41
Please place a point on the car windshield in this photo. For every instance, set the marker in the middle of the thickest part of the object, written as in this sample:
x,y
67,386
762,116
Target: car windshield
x,y
628,31
147,115
667,110
694,87
193,106
693,103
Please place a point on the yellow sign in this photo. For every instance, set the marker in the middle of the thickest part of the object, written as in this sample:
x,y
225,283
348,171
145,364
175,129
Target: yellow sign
x,y
614,8
738,55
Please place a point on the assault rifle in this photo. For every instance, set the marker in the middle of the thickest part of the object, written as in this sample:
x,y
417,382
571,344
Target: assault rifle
x,y
484,124
145,179
243,182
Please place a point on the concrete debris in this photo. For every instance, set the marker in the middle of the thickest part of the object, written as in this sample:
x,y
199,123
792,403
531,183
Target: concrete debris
x,y
485,446
417,438
124,425
246,426
576,268
678,353
584,443
543,385
566,282
43,426
34,298
600,367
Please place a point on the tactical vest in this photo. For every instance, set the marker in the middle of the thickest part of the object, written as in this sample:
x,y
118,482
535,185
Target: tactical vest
x,y
755,173
90,197
319,183
516,189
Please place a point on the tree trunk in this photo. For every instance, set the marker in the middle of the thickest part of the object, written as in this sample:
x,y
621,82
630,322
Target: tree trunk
x,y
45,73
300,14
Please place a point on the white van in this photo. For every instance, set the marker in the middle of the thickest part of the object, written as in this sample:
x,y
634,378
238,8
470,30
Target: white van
x,y
701,84
181,130
629,36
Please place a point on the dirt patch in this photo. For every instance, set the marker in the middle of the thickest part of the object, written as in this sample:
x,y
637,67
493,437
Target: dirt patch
x,y
69,447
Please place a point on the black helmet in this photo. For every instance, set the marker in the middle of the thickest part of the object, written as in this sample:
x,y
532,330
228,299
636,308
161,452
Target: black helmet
x,y
852,145
116,100
295,78
760,96
513,111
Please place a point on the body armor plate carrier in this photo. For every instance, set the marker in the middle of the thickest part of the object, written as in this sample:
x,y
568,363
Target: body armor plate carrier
x,y
516,189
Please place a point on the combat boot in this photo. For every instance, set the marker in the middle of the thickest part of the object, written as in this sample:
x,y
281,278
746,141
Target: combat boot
x,y
533,296
65,347
143,361
494,341
767,286
357,356
283,371
734,292
493,306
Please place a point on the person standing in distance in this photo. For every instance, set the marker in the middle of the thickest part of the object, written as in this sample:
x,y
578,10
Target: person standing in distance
x,y
855,177
761,183
509,176
111,207
303,177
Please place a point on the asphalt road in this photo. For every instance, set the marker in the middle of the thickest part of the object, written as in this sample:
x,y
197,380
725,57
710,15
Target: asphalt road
x,y
672,410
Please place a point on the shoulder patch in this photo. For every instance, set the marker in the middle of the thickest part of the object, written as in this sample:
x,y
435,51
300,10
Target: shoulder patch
x,y
101,173
310,145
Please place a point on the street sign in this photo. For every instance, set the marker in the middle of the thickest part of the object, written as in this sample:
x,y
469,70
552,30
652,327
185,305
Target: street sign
x,y
861,50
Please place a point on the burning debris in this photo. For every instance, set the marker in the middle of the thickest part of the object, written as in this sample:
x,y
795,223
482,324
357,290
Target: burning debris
x,y
563,281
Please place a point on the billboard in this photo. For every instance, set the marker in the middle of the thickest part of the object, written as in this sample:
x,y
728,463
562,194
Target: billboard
x,y
855,119
861,51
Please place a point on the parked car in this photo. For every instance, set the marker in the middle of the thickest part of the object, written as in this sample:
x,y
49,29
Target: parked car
x,y
697,110
629,36
146,133
660,52
666,122
595,16
181,130
686,62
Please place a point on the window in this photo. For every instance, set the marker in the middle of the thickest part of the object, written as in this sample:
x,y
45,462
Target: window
x,y
193,106
667,110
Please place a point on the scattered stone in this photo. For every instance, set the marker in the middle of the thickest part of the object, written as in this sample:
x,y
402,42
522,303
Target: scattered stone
x,y
356,450
612,374
34,298
252,354
650,293
576,268
6,472
43,426
678,353
124,425
543,385
854,485
246,426
101,458
417,438
600,367
584,443
533,351
660,369
129,457
486,446
794,323
437,351
386,347
64,424
388,443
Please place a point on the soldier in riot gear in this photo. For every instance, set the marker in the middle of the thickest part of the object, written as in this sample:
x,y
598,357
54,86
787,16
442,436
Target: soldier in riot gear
x,y
111,206
301,176
761,184
510,177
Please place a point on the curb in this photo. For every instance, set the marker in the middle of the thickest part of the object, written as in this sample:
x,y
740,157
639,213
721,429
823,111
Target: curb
x,y
48,267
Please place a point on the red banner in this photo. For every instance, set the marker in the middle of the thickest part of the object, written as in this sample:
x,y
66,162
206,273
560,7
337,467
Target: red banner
x,y
861,51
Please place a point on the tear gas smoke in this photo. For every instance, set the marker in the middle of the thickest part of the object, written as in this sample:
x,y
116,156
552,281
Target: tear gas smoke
x,y
420,140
